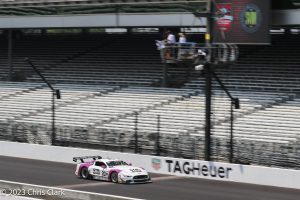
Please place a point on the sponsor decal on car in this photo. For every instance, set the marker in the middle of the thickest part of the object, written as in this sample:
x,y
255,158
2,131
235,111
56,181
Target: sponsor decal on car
x,y
96,171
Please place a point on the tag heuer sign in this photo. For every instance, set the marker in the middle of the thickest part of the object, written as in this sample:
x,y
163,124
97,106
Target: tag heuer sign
x,y
156,163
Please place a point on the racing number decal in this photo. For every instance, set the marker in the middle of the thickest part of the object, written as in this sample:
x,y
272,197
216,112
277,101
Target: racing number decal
x,y
100,172
104,173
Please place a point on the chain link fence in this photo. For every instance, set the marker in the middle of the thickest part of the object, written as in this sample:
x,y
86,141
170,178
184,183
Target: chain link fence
x,y
175,145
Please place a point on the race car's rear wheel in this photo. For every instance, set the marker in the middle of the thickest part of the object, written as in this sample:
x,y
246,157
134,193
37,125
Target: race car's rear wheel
x,y
84,173
114,177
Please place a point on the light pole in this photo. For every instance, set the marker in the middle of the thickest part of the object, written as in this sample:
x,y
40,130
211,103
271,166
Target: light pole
x,y
136,139
233,102
10,66
208,89
158,136
55,93
209,73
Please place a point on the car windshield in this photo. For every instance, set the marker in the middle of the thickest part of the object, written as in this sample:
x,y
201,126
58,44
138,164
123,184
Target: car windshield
x,y
116,163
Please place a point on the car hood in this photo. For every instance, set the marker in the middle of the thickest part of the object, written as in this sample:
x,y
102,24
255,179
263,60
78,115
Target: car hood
x,y
131,170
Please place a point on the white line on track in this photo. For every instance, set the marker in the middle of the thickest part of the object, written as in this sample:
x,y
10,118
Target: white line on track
x,y
13,197
26,186
82,185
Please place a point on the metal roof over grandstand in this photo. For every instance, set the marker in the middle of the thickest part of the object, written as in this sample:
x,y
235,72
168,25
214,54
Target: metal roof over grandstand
x,y
70,7
33,3
282,4
101,13
122,13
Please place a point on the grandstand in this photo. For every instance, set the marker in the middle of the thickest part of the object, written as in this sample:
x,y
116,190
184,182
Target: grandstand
x,y
273,68
77,58
110,84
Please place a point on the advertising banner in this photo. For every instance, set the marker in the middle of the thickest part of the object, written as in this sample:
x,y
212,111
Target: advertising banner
x,y
241,21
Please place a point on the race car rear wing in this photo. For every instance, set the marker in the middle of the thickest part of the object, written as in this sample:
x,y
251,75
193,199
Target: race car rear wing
x,y
75,159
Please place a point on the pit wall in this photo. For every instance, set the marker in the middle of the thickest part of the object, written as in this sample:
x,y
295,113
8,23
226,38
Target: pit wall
x,y
163,165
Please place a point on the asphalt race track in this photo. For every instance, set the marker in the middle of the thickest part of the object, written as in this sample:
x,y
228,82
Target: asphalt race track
x,y
163,187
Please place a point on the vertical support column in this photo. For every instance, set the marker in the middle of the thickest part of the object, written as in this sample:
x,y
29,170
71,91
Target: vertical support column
x,y
208,84
117,10
9,54
136,141
208,88
53,118
231,133
158,136
209,24
43,32
165,75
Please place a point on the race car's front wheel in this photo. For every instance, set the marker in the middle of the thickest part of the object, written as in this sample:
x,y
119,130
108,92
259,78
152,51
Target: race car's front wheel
x,y
114,177
84,173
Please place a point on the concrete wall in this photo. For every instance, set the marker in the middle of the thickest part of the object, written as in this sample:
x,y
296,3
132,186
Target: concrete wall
x,y
163,165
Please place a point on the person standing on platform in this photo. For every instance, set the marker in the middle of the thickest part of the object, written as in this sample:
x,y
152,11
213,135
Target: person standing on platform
x,y
171,38
182,38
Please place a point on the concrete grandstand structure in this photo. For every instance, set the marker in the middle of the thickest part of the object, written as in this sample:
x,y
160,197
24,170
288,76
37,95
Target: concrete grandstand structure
x,y
107,79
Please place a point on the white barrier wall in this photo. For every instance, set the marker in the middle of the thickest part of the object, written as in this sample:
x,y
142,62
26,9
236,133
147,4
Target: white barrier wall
x,y
163,165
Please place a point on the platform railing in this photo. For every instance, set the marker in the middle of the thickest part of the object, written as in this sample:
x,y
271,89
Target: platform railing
x,y
196,53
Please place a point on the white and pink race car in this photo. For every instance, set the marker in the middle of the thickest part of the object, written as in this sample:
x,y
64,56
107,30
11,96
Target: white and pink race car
x,y
116,171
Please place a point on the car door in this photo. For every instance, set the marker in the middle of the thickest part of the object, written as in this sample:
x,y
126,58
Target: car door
x,y
104,171
99,170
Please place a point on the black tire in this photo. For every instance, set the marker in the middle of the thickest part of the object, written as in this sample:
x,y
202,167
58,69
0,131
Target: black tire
x,y
114,177
84,173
